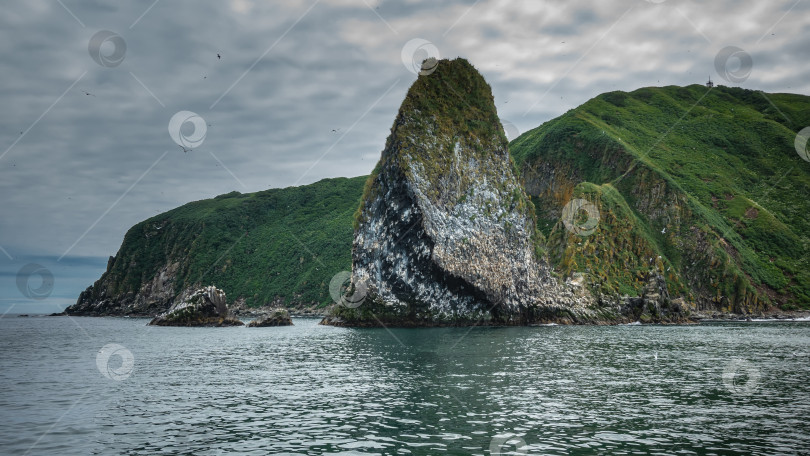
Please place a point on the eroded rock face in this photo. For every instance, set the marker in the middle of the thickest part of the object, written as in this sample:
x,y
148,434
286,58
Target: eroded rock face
x,y
204,307
445,232
153,297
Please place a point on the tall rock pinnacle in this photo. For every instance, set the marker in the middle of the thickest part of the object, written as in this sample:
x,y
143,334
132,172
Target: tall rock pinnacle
x,y
445,233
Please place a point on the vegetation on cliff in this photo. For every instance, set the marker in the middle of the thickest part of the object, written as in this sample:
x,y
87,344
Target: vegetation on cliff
x,y
279,246
453,106
703,186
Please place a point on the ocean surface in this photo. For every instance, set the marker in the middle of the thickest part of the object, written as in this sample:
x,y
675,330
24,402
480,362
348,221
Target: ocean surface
x,y
116,386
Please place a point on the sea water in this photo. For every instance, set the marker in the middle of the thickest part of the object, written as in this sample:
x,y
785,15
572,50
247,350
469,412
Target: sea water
x,y
116,386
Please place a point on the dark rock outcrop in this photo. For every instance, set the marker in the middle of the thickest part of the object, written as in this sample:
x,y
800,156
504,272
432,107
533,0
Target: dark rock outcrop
x,y
154,296
204,307
276,317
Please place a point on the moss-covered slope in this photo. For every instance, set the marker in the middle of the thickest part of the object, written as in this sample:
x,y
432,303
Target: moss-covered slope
x,y
279,246
702,186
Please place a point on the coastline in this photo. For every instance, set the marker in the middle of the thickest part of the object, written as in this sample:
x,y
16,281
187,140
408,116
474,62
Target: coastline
x,y
323,314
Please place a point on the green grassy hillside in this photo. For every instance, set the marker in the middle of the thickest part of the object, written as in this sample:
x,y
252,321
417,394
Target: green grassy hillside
x,y
277,246
703,186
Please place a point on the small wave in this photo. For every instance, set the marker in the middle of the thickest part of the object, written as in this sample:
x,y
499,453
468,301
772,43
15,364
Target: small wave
x,y
771,320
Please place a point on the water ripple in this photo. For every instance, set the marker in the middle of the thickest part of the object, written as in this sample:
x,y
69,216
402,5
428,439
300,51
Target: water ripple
x,y
307,389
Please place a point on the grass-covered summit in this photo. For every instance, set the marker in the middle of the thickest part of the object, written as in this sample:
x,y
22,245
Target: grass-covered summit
x,y
453,107
702,186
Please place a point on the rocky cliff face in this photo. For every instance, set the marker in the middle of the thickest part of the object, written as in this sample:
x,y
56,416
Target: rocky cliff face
x,y
153,297
445,233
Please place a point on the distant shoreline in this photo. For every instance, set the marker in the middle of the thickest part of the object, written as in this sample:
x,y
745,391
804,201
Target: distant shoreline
x,y
779,316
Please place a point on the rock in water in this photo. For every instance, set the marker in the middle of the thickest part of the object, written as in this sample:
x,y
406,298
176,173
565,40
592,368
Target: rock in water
x,y
276,317
204,307
445,233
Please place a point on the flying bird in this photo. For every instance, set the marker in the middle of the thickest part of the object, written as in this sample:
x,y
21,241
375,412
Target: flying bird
x,y
219,56
87,93
184,149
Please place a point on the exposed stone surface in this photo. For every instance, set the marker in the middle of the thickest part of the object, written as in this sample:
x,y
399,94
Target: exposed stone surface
x,y
158,295
239,309
276,317
153,297
445,233
205,307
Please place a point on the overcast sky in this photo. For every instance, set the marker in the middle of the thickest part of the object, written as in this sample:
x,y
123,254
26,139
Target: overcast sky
x,y
292,92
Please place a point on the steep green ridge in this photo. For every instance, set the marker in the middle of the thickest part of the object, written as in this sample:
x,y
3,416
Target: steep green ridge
x,y
706,179
279,246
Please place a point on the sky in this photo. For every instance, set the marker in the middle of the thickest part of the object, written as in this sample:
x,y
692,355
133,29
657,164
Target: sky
x,y
116,111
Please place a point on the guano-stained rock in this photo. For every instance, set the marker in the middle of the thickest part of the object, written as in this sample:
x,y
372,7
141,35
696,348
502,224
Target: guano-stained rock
x,y
445,233
205,307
